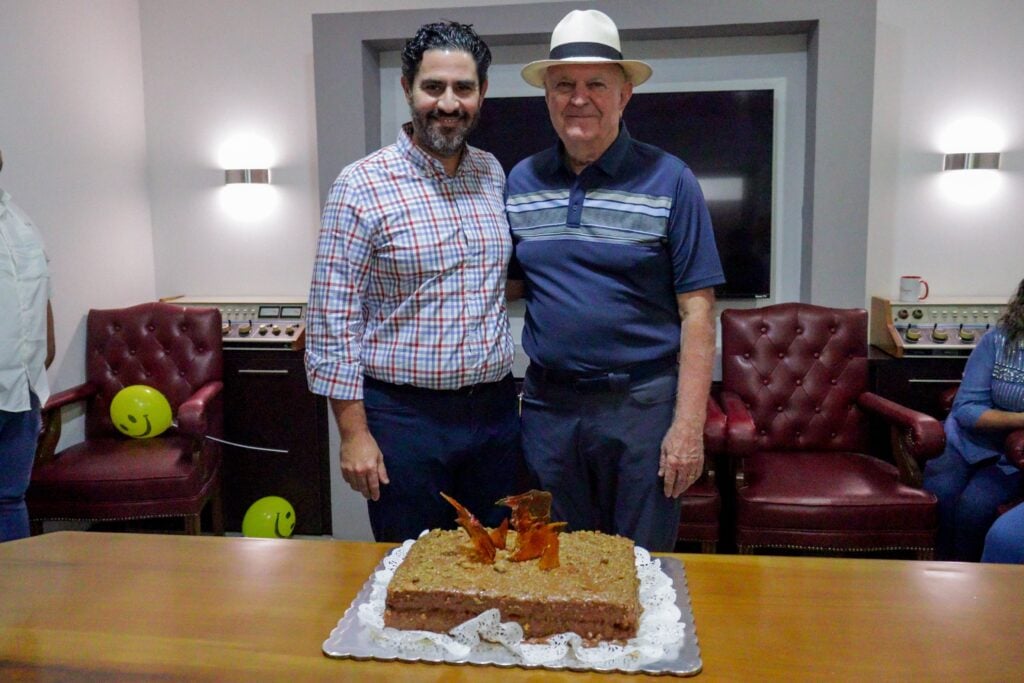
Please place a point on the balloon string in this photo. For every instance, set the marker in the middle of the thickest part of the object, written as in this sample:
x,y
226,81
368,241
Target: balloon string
x,y
242,445
239,445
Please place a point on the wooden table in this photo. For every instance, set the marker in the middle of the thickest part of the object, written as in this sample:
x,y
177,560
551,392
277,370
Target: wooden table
x,y
97,607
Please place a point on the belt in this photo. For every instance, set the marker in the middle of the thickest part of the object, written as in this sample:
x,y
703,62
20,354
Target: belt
x,y
618,379
413,390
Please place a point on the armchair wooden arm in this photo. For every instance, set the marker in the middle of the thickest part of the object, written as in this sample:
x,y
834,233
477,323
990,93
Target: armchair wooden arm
x,y
915,436
51,417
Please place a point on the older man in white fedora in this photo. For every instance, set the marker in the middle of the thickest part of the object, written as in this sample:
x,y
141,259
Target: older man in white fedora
x,y
616,259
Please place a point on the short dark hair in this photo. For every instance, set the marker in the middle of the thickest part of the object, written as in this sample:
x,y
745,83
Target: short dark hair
x,y
443,35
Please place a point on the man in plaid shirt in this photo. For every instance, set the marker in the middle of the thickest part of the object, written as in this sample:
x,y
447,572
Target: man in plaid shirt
x,y
408,333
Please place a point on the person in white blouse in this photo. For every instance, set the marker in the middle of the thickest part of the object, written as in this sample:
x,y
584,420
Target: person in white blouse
x,y
26,350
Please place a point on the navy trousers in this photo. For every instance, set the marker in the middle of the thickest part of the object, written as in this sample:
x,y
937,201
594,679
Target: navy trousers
x,y
597,452
464,443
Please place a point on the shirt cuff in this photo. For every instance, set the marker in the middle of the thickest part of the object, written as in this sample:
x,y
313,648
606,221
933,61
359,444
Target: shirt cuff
x,y
335,379
967,415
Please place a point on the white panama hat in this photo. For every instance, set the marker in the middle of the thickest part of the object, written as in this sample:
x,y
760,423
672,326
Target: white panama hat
x,y
586,37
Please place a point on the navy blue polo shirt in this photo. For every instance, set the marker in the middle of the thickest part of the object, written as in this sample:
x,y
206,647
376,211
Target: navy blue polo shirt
x,y
604,254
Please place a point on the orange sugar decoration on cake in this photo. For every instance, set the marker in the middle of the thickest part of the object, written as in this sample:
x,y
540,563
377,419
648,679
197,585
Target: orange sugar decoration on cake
x,y
536,535
529,509
482,543
500,535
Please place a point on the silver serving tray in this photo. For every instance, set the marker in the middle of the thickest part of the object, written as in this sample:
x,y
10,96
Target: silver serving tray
x,y
351,640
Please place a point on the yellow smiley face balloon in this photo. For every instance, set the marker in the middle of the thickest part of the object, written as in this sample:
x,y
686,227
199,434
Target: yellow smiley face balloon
x,y
269,517
140,412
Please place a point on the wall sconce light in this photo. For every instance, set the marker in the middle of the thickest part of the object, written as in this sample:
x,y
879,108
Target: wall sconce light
x,y
247,175
968,161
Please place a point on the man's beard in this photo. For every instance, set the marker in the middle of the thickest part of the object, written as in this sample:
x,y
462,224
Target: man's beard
x,y
442,143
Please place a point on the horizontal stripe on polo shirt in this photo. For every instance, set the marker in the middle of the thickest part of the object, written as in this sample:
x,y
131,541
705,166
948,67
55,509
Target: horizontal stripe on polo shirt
x,y
615,216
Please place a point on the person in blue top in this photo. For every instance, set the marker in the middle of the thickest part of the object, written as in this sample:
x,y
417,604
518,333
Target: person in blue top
x,y
615,256
973,477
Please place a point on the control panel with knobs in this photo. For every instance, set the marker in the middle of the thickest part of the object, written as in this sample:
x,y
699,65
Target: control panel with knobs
x,y
936,327
276,322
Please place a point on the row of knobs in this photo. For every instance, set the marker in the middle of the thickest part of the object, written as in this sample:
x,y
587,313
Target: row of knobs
x,y
913,335
245,329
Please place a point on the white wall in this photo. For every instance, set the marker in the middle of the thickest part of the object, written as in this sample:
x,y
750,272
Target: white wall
x,y
72,132
938,61
214,69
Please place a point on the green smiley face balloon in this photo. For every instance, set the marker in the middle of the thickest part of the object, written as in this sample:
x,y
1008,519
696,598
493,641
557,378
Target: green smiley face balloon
x,y
269,517
140,411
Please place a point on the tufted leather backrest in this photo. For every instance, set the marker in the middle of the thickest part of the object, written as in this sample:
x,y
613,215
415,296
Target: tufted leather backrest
x,y
172,348
799,369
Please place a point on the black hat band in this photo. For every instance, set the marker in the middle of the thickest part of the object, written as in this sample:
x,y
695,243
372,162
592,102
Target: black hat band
x,y
598,50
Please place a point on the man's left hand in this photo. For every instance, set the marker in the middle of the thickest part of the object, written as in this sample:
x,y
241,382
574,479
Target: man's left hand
x,y
682,458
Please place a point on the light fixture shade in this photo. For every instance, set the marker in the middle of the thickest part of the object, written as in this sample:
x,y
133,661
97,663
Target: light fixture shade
x,y
970,161
247,175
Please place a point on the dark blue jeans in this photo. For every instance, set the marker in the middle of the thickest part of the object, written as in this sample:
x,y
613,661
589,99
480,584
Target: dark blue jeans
x,y
597,452
969,496
19,433
464,443
1005,540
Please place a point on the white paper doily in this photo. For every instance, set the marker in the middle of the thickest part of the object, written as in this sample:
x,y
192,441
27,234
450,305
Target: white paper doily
x,y
660,634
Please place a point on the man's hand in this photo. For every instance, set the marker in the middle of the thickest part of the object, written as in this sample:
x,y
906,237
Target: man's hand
x,y
362,465
682,458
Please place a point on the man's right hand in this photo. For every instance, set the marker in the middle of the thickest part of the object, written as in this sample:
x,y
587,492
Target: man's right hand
x,y
362,464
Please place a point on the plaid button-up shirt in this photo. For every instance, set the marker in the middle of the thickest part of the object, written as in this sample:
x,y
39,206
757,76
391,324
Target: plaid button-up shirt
x,y
408,284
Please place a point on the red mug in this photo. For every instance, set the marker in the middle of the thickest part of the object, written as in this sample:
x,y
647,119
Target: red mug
x,y
910,288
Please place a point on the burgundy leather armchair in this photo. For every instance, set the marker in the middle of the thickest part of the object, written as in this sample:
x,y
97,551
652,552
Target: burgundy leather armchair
x,y
699,520
110,476
794,390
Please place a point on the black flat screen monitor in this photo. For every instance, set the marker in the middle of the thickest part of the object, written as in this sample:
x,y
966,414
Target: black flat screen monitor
x,y
725,136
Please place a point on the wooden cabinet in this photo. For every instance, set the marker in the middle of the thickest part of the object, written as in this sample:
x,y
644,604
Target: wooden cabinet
x,y
268,404
916,382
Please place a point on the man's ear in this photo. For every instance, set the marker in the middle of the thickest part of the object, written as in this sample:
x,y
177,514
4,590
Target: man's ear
x,y
406,88
483,90
627,92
